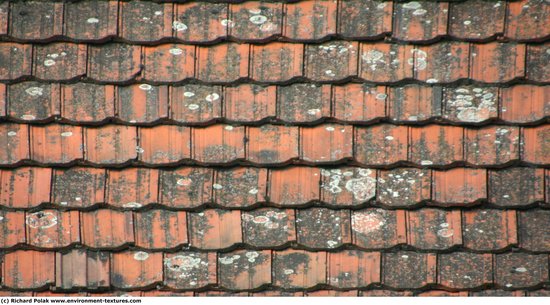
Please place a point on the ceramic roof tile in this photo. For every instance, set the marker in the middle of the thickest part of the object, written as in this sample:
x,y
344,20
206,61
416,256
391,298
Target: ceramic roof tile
x,y
472,20
144,21
516,186
489,229
85,102
255,20
250,103
200,21
244,270
310,20
169,63
16,60
407,269
101,19
36,20
378,228
78,187
414,21
268,227
114,62
25,187
276,62
299,269
465,270
365,19
433,229
107,228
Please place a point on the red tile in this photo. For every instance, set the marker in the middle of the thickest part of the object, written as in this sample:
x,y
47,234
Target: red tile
x,y
536,144
56,143
107,228
52,229
169,63
347,186
59,61
436,145
189,270
12,227
359,103
16,60
461,270
491,145
311,20
160,229
196,103
164,144
3,100
200,21
14,143
434,229
85,102
459,186
132,187
215,229
330,61
516,186
497,62
276,62
240,187
524,103
520,270
532,230
186,188
442,62
142,103
143,21
269,144
78,187
33,101
115,293
4,14
276,293
384,62
69,269
101,20
403,187
268,227
25,187
36,20
244,270
472,20
381,144
364,19
489,230
537,57
303,102
442,293
378,228
110,144
406,270
294,186
385,293
299,269
497,293
114,62
414,103
51,294
470,104
332,293
527,20
222,63
417,21
326,143
136,269
255,20
218,143
250,103
321,228
353,268
218,293
24,269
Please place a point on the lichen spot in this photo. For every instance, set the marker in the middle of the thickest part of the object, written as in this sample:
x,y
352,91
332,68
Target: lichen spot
x,y
184,182
251,256
212,97
49,62
92,20
445,233
12,133
176,51
366,222
28,117
132,205
145,87
258,19
66,134
34,91
141,256
179,26
182,263
42,220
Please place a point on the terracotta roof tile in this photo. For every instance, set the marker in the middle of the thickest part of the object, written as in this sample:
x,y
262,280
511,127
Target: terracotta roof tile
x,y
434,229
144,21
442,63
186,187
240,187
294,186
85,102
378,228
532,235
270,144
244,270
517,270
459,186
299,269
326,143
200,21
414,103
52,229
36,20
321,228
516,186
134,269
347,186
132,188
524,103
404,186
59,61
352,268
407,269
311,20
536,142
33,101
169,63
276,62
486,230
24,269
160,229
114,62
223,63
110,144
164,144
16,60
107,228
471,20
385,63
25,187
56,143
12,226
101,20
215,229
359,103
78,187
14,140
189,270
365,19
437,145
218,144
331,61
69,273
269,227
255,20
195,103
414,21
303,102
250,103
497,62
537,55
491,145
534,12
465,270
382,144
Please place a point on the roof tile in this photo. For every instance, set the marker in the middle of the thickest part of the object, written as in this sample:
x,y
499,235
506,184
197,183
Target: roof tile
x,y
488,230
24,269
378,228
331,61
404,186
520,270
331,293
52,228
241,187
114,62
110,144
164,144
294,186
347,186
101,20
532,231
516,186
59,61
537,56
12,229
134,269
189,270
14,143
364,19
36,20
69,269
255,20
144,21
385,293
250,103
25,187
444,62
33,101
436,145
268,227
218,143
311,20
359,102
303,102
16,60
384,62
186,187
527,11
472,20
468,104
381,144
195,103
78,187
299,269
461,270
326,143
133,187
353,268
434,229
416,21
56,143
414,103
270,144
321,228
222,63
106,228
160,229
491,145
276,62
85,102
200,21
497,62
244,270
215,229
459,186
407,269
4,15
524,103
169,63
536,144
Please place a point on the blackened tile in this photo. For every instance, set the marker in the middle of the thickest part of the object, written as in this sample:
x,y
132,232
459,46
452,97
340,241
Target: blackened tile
x,y
323,228
378,228
268,227
244,270
408,270
520,270
489,230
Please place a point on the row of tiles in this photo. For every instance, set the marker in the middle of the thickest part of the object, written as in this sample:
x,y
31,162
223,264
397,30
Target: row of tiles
x,y
250,103
480,230
278,62
290,269
378,145
200,22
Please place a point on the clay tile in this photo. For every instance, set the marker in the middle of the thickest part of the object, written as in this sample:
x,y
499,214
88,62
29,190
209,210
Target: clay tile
x,y
107,228
404,186
497,62
52,229
218,293
442,63
33,101
536,144
539,293
82,269
16,60
14,143
24,269
84,102
537,59
497,293
406,270
459,186
436,145
200,21
491,145
294,186
91,20
472,20
326,143
347,186
364,19
159,229
195,103
516,186
520,270
461,270
59,61
359,102
114,62
4,14
132,188
255,20
142,103
218,143
303,102
143,21
36,20
56,143
164,144
323,228
222,63
299,269
244,270
240,187
442,293
276,62
277,293
385,293
527,20
532,230
524,103
378,228
385,62
189,270
186,187
331,61
311,20
110,144
116,293
269,144
3,100
78,187
434,229
25,187
353,268
268,227
250,103
417,21
12,229
331,293
489,230
470,104
381,144
169,63
135,269
414,103
215,229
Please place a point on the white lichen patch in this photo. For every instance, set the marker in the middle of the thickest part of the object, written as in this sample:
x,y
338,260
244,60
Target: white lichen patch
x,y
28,117
145,87
217,186
212,97
251,256
140,150
66,134
34,91
269,220
360,184
445,233
332,243
184,181
521,269
373,58
132,205
413,5
42,220
258,19
193,106
188,94
176,51
366,222
183,264
418,59
141,256
179,26
471,104
313,111
227,23
92,20
288,271
253,191
229,128
12,133
49,62
229,259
